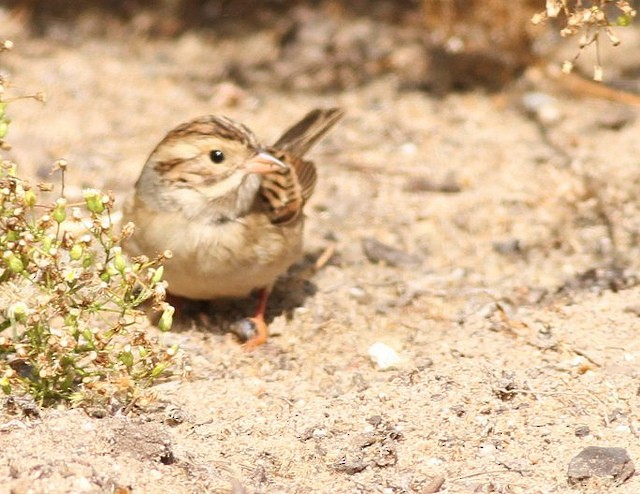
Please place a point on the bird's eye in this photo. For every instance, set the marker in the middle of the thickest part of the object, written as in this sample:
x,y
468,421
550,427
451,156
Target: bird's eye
x,y
216,156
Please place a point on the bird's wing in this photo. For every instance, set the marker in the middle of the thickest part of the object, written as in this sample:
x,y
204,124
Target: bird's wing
x,y
286,191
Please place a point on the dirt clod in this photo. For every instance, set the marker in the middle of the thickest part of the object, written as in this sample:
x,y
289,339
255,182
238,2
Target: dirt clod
x,y
433,486
582,431
595,461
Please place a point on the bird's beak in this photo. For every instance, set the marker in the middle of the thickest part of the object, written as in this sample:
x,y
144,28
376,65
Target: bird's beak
x,y
263,163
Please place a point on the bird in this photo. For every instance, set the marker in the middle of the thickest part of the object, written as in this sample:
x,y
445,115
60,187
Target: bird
x,y
228,208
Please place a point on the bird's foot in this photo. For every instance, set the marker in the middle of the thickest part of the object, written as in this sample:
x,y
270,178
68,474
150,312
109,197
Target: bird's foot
x,y
255,331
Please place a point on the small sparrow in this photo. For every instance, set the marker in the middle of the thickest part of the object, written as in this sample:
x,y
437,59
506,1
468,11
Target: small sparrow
x,y
228,208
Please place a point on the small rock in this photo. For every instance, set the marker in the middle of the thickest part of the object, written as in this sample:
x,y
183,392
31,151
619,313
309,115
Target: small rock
x,y
237,487
375,420
88,427
82,484
422,363
622,428
384,356
633,309
615,118
174,415
449,185
582,431
543,108
596,461
350,466
377,252
364,440
360,295
360,383
386,456
433,486
154,473
487,449
408,148
506,387
509,246
319,433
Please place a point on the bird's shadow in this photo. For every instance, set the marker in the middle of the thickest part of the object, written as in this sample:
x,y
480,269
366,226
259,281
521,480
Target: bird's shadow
x,y
230,315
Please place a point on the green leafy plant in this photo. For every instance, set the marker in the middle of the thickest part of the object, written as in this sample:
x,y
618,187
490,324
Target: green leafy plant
x,y
70,329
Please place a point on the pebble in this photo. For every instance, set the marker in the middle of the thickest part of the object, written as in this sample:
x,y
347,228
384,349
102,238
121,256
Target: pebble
x,y
319,433
595,461
83,484
582,431
384,356
359,295
350,466
542,107
88,427
433,486
487,449
174,415
408,148
615,118
378,252
509,246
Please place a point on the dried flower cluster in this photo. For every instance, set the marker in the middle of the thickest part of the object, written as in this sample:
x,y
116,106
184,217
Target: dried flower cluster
x,y
589,22
69,328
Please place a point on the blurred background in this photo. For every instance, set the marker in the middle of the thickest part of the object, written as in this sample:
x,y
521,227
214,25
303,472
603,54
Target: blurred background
x,y
439,45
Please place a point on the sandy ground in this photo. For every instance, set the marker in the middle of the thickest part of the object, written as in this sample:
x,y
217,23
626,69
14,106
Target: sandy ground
x,y
511,300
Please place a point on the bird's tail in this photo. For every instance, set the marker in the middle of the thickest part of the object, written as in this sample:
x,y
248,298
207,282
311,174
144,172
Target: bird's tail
x,y
303,135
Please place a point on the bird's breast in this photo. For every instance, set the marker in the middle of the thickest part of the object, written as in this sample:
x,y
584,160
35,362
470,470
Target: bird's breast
x,y
219,259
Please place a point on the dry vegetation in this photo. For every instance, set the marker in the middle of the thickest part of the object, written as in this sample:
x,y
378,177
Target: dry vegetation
x,y
70,328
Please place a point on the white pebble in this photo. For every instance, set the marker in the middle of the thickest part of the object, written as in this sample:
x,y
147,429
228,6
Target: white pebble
x,y
82,484
384,356
543,107
88,427
623,429
487,449
408,148
319,433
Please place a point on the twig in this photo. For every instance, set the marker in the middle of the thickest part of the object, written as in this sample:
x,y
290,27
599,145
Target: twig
x,y
478,474
323,259
578,84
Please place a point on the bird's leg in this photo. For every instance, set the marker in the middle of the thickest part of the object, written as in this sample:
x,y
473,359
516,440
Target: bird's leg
x,y
262,330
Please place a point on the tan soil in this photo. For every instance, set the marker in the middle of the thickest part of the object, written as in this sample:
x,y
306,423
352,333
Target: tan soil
x,y
515,315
